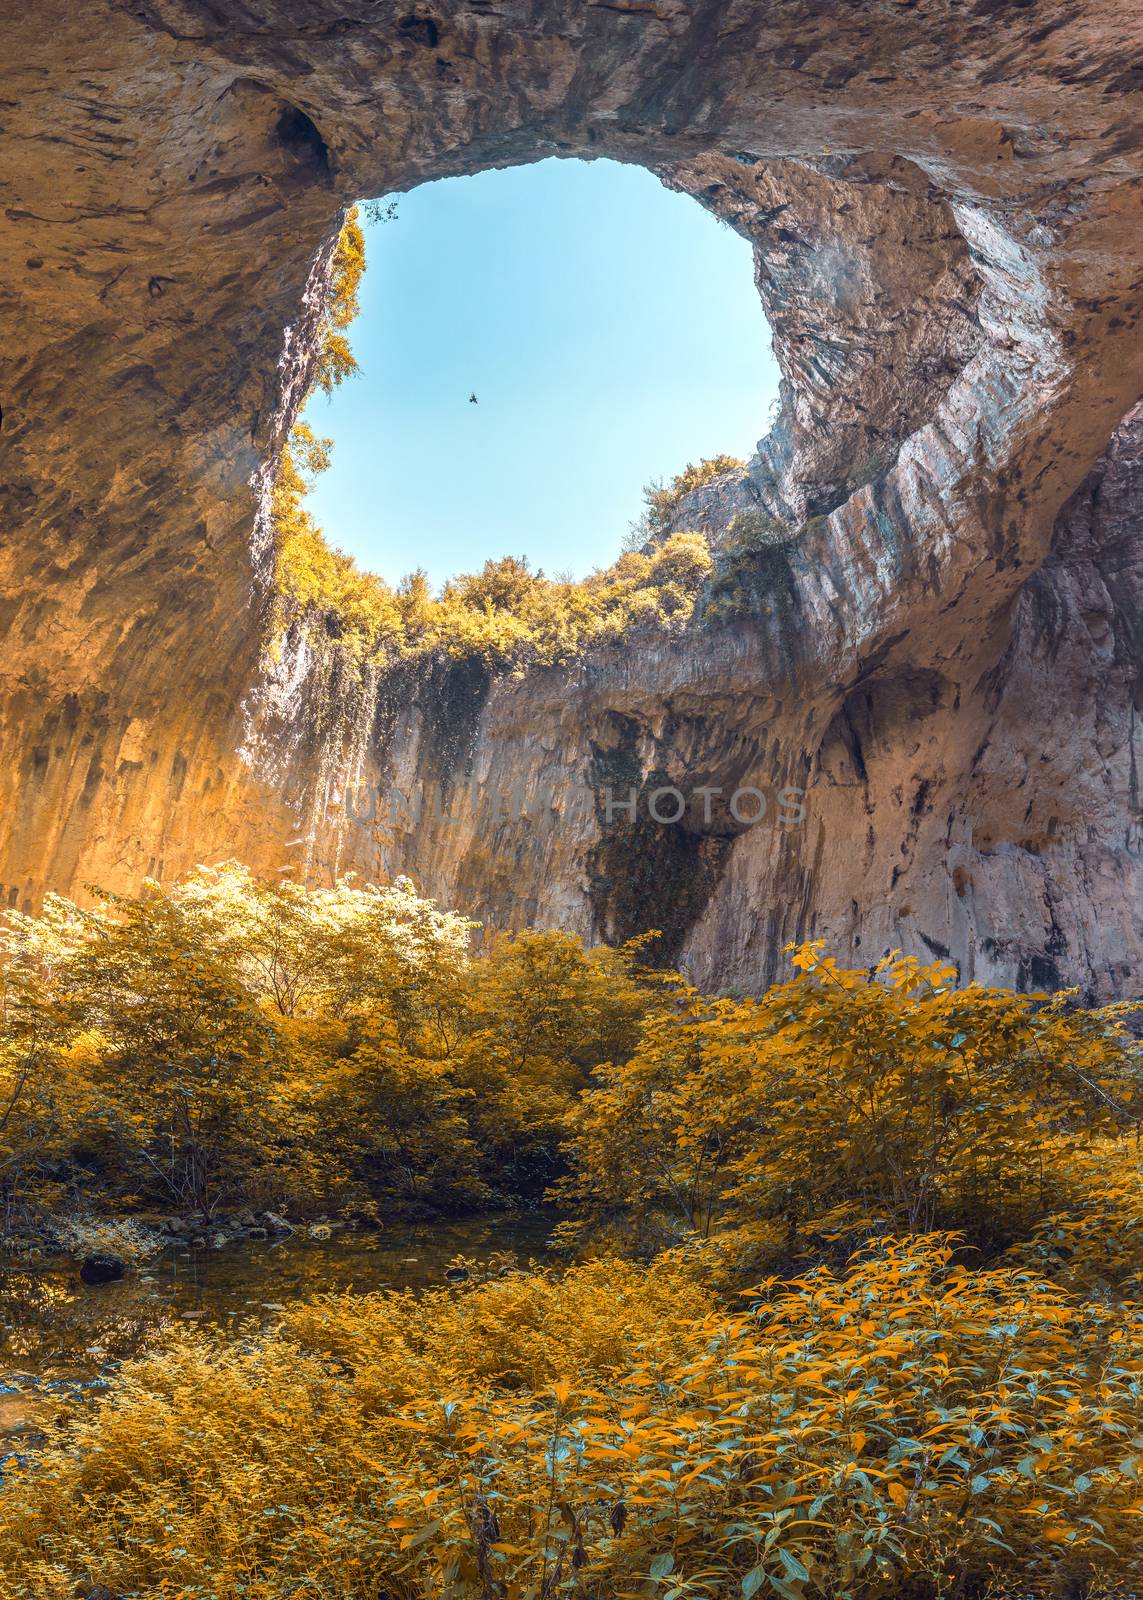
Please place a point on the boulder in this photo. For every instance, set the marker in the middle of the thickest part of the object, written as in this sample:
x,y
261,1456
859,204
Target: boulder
x,y
101,1268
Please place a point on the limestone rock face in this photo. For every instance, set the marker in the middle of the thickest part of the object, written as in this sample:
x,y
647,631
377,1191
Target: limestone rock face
x,y
943,657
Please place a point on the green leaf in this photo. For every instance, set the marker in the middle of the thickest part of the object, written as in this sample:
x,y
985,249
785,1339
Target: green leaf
x,y
793,1566
662,1565
752,1582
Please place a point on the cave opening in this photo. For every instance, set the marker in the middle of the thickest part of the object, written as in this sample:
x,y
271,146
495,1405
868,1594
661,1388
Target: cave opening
x,y
537,345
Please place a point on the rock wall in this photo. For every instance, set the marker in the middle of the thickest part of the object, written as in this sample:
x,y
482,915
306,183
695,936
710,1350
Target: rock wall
x,y
942,656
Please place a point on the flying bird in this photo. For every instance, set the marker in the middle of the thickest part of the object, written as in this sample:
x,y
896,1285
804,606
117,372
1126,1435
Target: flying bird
x,y
472,400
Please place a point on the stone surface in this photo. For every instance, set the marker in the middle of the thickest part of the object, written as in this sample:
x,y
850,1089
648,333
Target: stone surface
x,y
99,1269
19,1414
945,655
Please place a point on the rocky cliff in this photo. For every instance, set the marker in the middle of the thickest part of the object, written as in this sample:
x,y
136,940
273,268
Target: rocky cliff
x,y
934,683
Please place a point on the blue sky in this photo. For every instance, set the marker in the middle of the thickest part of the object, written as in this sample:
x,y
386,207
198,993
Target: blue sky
x,y
611,332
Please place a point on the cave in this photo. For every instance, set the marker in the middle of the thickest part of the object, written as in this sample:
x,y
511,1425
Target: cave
x,y
944,650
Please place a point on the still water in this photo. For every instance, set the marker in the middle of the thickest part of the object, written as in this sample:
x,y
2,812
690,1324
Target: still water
x,y
59,1337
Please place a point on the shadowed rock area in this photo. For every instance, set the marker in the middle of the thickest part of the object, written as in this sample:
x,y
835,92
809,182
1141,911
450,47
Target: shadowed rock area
x,y
942,653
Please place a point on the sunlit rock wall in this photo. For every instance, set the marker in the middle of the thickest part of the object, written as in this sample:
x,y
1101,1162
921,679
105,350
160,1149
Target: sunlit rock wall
x,y
944,653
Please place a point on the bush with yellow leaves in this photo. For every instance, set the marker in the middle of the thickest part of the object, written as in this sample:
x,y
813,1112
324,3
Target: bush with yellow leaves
x,y
230,1041
844,1104
916,1424
1095,1245
905,1428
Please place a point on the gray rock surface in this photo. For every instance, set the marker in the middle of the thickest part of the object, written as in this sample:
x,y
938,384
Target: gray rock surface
x,y
945,207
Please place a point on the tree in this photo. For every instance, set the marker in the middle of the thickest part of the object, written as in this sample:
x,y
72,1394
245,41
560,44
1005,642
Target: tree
x,y
179,1057
848,1102
335,358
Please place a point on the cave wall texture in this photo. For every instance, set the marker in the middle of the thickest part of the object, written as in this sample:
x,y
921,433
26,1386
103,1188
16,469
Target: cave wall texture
x,y
945,654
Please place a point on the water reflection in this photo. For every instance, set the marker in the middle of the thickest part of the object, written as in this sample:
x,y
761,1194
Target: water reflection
x,y
59,1337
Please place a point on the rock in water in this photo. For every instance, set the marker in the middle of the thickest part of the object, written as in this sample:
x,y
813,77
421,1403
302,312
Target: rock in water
x,y
98,1269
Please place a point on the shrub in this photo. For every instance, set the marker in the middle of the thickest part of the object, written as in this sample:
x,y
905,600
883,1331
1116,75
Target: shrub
x,y
661,501
753,570
230,1041
904,1428
1095,1244
844,1103
909,1425
115,1236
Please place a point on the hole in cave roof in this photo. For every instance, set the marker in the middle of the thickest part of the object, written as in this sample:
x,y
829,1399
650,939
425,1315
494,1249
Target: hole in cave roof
x,y
610,331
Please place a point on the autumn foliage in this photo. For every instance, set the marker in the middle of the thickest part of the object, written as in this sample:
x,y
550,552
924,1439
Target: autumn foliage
x,y
850,1299
231,1041
848,1309
845,1104
906,1427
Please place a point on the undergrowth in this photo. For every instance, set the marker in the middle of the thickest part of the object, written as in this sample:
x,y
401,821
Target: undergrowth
x,y
847,1313
904,1427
